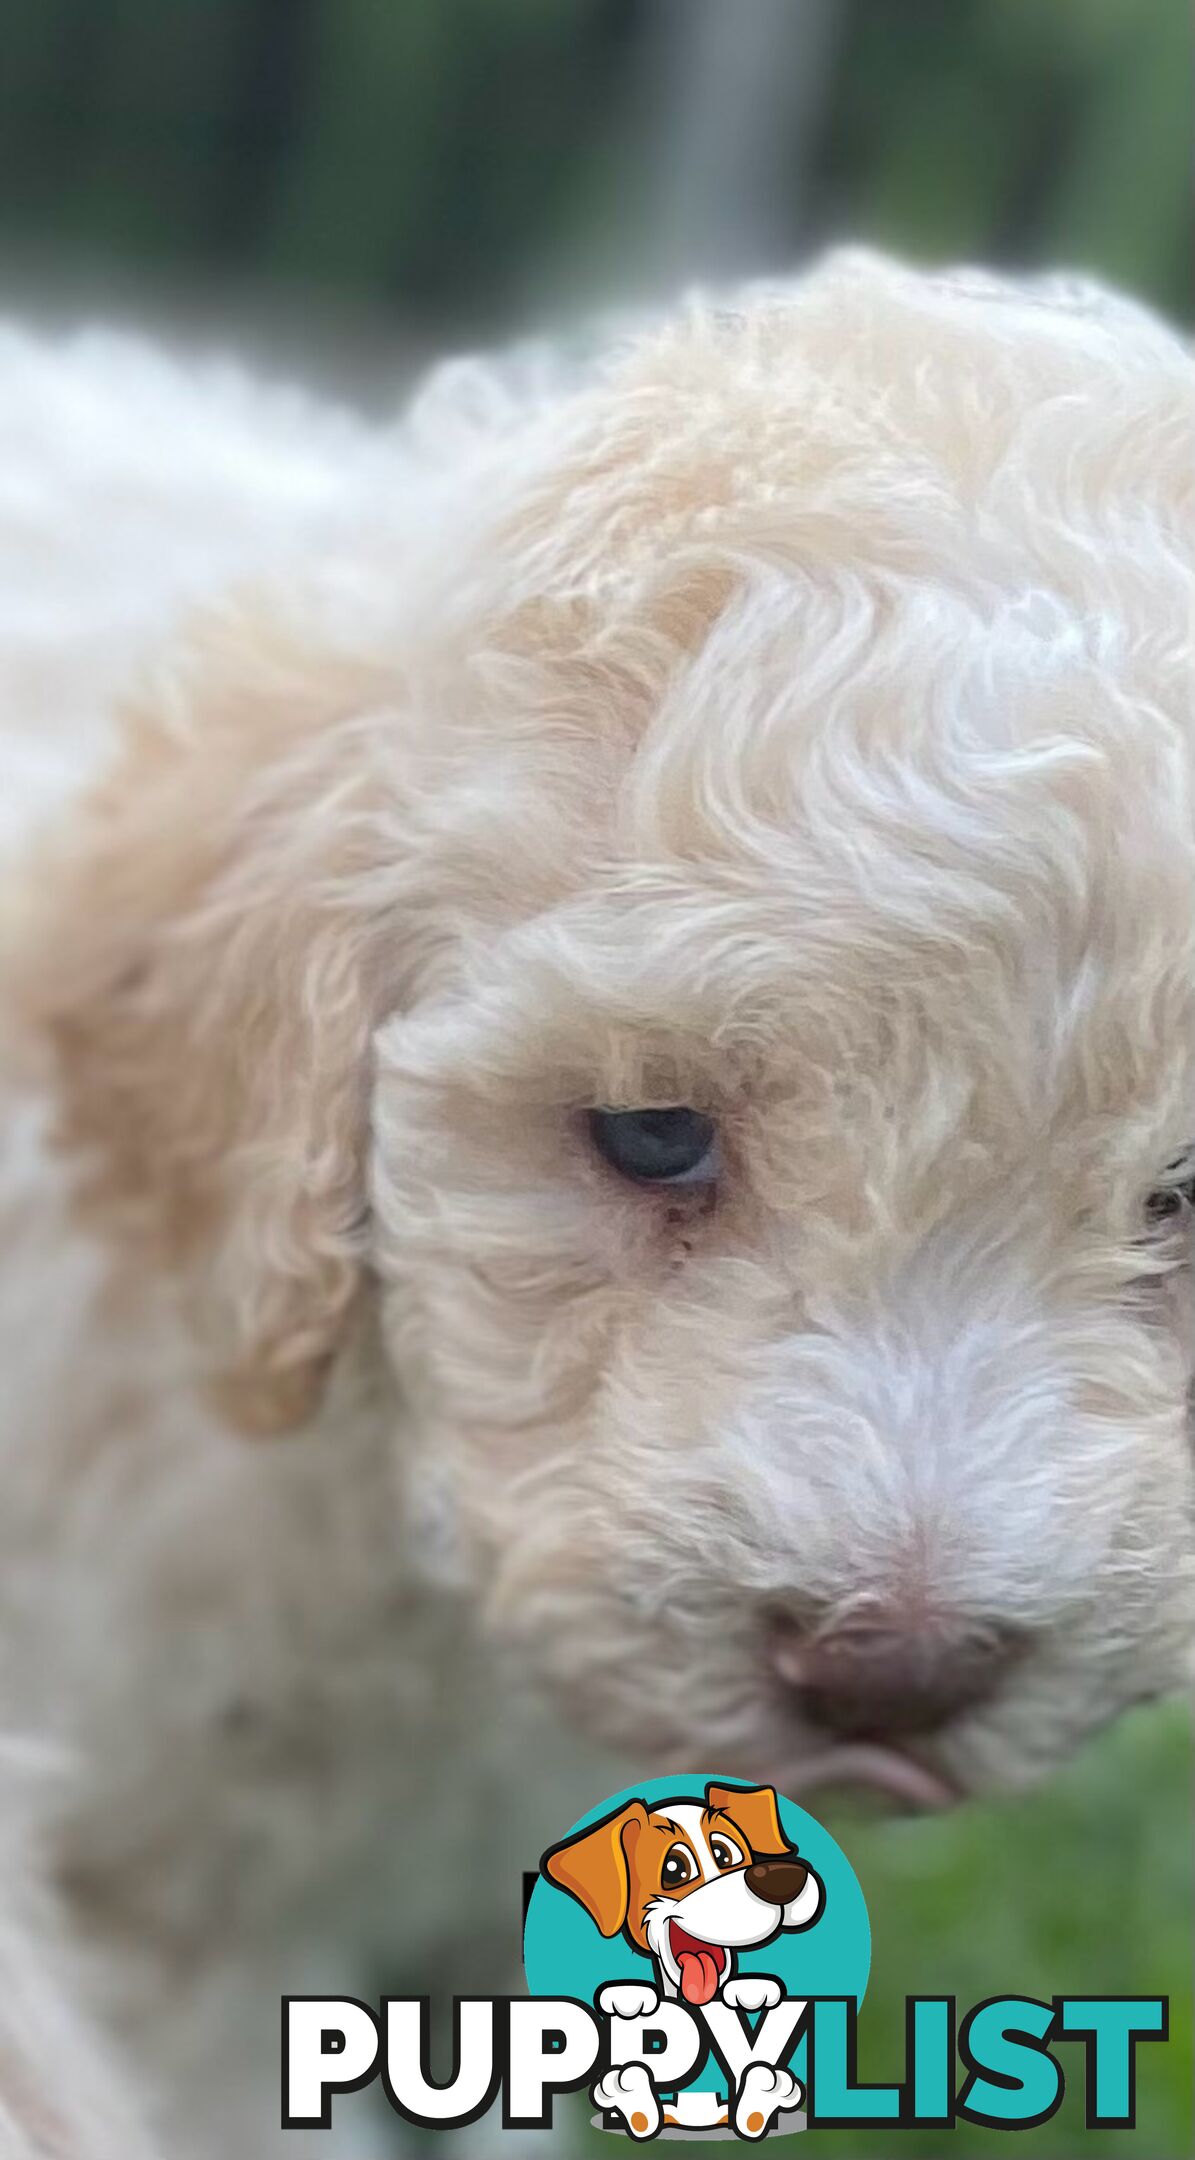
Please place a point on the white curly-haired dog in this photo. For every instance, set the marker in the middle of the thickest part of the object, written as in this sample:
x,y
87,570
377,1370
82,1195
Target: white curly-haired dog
x,y
599,1063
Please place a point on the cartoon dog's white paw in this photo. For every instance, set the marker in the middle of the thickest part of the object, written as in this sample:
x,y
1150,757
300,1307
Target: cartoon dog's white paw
x,y
629,2092
763,2094
752,1991
628,1999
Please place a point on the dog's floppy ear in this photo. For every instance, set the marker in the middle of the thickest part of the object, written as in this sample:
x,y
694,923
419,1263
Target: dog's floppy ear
x,y
202,956
594,1868
756,1813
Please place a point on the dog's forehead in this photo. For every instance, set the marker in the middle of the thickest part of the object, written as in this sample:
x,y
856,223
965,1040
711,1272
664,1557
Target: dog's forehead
x,y
912,772
941,832
837,803
846,1042
853,415
696,1823
686,1816
857,685
837,774
679,1819
840,1008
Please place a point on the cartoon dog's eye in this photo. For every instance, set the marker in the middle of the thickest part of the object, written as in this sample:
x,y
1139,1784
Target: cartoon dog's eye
x,y
726,1853
679,1867
657,1147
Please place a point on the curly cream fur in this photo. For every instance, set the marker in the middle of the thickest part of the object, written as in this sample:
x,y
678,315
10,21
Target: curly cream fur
x,y
787,713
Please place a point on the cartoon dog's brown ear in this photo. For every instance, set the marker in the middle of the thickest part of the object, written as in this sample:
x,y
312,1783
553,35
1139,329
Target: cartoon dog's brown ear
x,y
756,1813
593,1866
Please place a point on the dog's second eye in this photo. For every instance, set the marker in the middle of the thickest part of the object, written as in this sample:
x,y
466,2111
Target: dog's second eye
x,y
726,1853
657,1147
678,1867
1176,1198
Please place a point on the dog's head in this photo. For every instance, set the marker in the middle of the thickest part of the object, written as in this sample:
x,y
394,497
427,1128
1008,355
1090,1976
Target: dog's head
x,y
695,942
690,1884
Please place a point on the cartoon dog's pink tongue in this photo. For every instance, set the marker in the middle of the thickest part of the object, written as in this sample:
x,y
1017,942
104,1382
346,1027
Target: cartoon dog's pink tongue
x,y
700,1965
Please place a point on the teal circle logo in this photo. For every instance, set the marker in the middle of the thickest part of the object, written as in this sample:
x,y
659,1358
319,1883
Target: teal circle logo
x,y
612,1896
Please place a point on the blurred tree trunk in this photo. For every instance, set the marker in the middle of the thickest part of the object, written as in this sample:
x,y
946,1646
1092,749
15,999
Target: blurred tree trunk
x,y
734,97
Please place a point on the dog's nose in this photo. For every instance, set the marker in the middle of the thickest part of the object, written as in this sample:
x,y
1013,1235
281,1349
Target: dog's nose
x,y
880,1680
777,1882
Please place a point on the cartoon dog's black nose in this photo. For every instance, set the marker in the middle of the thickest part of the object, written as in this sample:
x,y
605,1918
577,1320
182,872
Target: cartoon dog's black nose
x,y
777,1882
884,1680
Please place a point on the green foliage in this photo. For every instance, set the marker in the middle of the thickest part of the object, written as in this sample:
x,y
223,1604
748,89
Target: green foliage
x,y
1008,129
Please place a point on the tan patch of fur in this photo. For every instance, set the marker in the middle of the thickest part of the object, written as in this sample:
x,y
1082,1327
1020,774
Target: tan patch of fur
x,y
209,1004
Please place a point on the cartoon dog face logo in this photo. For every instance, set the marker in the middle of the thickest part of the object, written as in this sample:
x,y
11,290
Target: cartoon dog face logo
x,y
688,1885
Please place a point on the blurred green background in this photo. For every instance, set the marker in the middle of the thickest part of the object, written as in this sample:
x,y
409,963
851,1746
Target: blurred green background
x,y
392,174
349,185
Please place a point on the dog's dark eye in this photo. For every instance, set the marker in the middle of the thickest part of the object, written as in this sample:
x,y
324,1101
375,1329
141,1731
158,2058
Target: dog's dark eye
x,y
1175,1198
657,1147
726,1853
679,1867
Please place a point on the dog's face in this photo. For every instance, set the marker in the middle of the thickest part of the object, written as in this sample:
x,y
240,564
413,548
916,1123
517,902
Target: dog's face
x,y
731,977
690,1884
833,1422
